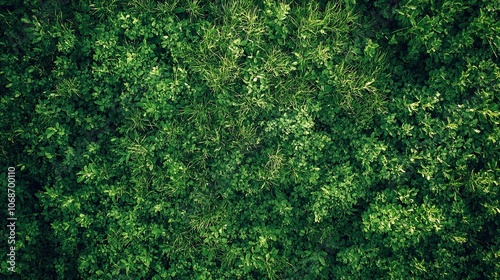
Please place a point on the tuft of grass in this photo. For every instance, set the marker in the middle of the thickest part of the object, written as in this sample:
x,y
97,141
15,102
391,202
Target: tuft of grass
x,y
194,8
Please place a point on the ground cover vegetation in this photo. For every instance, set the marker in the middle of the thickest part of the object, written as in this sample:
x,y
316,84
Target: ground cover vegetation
x,y
248,139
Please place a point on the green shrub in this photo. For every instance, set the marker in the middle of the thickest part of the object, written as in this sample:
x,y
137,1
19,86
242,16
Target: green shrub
x,y
252,139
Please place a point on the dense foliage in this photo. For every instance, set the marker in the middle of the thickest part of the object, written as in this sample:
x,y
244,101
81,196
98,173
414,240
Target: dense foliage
x,y
252,139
